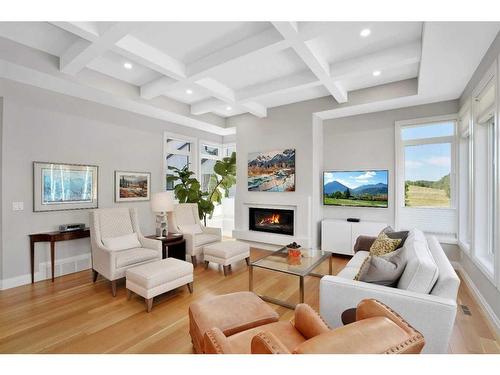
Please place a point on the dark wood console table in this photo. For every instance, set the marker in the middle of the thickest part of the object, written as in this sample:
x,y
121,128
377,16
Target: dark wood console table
x,y
172,246
53,237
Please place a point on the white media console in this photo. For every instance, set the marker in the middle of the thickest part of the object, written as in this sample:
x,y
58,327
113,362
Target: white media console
x,y
339,236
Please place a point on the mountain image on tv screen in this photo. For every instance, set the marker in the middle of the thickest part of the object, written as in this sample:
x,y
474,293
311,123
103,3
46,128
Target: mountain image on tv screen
x,y
356,188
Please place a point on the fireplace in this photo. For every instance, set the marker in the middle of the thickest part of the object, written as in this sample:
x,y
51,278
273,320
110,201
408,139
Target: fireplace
x,y
271,220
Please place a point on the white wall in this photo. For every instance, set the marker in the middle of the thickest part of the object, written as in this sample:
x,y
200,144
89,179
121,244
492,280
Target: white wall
x,y
42,126
367,142
1,193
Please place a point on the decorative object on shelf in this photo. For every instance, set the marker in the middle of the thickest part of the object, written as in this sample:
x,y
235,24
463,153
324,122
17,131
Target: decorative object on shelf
x,y
271,171
71,227
132,186
188,189
61,186
161,203
294,250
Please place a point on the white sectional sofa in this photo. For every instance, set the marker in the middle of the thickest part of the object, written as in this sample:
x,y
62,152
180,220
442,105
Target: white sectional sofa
x,y
425,295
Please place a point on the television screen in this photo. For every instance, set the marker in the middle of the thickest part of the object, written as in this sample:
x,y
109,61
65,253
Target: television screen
x,y
355,188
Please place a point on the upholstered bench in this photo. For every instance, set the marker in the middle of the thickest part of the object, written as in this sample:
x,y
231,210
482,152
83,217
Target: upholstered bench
x,y
225,253
152,279
231,313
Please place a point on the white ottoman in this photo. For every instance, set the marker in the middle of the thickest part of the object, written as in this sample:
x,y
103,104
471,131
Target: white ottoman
x,y
152,279
226,253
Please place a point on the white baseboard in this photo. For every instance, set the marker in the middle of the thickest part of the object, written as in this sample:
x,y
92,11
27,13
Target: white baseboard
x,y
62,267
490,314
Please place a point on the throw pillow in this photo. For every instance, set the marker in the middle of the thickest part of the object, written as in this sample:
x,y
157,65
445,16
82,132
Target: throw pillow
x,y
128,241
383,270
191,229
396,235
384,245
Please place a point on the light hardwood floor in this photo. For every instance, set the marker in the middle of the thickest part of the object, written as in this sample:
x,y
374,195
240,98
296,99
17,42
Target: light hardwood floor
x,y
73,315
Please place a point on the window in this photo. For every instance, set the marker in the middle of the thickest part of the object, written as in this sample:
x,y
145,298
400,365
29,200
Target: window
x,y
178,152
209,154
427,164
425,176
465,179
228,150
484,176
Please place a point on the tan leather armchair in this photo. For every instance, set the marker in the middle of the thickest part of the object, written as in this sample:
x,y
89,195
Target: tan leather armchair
x,y
377,329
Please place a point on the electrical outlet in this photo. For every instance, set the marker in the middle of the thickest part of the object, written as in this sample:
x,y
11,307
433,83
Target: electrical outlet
x,y
17,206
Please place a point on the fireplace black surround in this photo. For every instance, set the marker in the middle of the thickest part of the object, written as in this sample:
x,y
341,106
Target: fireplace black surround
x,y
271,220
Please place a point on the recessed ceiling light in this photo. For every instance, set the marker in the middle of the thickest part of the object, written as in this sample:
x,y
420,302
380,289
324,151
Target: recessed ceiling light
x,y
228,108
128,65
365,32
376,73
189,91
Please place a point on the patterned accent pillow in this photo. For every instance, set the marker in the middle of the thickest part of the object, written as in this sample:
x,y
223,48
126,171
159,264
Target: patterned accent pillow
x,y
384,245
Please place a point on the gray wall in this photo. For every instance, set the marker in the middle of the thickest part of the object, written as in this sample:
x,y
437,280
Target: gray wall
x,y
488,290
367,142
42,126
1,195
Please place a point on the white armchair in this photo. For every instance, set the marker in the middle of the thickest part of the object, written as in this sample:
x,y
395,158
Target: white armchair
x,y
185,219
109,223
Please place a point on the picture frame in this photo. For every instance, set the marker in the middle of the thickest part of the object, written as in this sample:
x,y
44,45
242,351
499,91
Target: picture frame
x,y
132,186
64,186
272,171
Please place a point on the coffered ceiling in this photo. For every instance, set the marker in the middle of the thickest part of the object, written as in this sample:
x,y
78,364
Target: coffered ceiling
x,y
202,71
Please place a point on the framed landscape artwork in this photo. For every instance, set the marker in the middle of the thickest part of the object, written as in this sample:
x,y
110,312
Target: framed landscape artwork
x,y
272,171
132,186
60,186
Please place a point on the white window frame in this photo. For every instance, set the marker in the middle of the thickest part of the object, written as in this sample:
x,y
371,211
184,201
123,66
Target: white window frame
x,y
226,146
400,165
207,156
493,275
192,154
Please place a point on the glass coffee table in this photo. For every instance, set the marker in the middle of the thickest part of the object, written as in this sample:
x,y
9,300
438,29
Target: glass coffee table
x,y
279,261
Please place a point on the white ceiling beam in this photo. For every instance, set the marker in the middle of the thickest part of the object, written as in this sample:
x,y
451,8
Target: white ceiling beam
x,y
402,55
206,106
277,86
151,57
80,54
289,31
262,44
86,30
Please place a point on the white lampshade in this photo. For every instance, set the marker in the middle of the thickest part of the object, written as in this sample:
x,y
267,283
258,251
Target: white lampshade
x,y
162,202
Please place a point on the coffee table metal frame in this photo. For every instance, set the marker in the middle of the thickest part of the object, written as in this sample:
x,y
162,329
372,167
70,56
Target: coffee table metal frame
x,y
301,274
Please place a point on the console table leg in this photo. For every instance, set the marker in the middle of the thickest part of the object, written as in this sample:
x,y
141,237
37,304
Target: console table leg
x,y
52,256
32,257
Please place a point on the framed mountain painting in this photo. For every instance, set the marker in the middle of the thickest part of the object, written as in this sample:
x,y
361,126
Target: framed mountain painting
x,y
272,171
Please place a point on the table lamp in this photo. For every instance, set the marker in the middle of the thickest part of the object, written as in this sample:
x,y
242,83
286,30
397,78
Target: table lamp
x,y
161,203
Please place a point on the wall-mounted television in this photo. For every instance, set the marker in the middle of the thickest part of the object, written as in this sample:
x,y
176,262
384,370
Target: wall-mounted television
x,y
368,188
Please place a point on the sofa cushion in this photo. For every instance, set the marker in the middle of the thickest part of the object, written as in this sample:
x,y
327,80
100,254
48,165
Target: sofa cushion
x,y
125,258
384,245
127,241
203,239
383,270
352,267
448,282
421,271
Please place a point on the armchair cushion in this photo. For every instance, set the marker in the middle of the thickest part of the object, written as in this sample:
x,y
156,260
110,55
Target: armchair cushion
x,y
125,258
308,322
203,239
127,241
191,228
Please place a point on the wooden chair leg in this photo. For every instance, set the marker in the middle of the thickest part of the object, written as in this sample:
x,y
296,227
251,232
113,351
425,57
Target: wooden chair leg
x,y
113,287
129,294
190,287
226,269
248,261
94,275
149,304
206,264
194,261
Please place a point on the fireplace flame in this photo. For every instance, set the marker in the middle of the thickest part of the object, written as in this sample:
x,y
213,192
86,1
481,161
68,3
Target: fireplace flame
x,y
273,219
